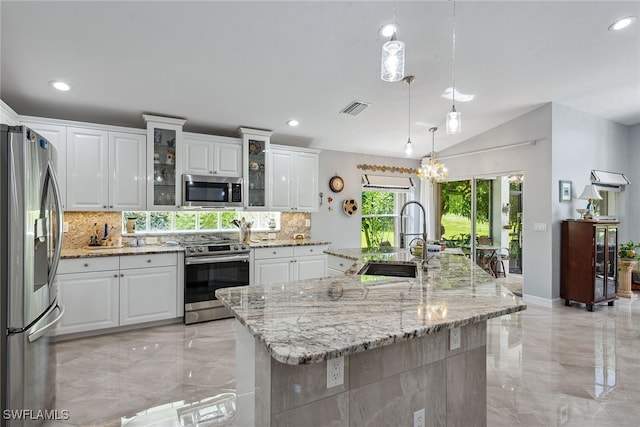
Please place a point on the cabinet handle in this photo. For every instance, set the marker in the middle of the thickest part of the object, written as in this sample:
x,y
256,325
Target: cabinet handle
x,y
86,264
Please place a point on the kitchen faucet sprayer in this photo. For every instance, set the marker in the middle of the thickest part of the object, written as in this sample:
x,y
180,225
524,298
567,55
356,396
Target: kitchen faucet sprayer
x,y
424,230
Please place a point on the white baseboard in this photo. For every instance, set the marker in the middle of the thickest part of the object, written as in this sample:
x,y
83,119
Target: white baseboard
x,y
545,302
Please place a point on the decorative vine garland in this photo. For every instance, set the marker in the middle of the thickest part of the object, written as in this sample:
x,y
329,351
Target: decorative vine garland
x,y
392,169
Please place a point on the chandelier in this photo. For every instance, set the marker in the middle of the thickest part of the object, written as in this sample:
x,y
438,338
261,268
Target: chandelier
x,y
434,171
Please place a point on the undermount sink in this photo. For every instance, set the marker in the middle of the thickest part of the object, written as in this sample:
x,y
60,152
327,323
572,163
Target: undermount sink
x,y
388,268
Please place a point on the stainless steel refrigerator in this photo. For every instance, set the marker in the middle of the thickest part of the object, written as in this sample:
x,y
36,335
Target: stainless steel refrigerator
x,y
30,244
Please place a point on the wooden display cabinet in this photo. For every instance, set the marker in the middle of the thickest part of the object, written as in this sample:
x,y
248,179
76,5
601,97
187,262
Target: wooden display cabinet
x,y
589,270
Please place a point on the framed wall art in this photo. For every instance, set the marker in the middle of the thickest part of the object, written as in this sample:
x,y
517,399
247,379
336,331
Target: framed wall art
x,y
565,191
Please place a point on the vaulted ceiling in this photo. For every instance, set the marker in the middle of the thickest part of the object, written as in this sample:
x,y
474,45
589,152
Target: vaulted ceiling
x,y
222,65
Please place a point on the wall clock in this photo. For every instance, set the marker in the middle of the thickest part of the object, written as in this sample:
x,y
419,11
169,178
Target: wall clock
x,y
336,184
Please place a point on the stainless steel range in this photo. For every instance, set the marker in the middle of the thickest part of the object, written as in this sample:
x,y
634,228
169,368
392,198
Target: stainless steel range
x,y
209,266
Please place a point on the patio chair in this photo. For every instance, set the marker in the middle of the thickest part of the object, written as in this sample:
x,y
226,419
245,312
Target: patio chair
x,y
497,262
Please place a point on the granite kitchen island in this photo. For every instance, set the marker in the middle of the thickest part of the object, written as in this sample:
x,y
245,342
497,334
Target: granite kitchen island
x,y
392,336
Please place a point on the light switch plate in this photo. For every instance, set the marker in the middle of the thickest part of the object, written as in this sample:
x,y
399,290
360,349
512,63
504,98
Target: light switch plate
x,y
540,226
454,338
418,418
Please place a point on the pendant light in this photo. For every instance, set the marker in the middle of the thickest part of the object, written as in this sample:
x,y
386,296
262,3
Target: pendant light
x,y
392,69
408,148
434,171
454,118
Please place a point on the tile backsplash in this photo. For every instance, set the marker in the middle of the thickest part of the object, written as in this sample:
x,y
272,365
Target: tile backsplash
x,y
82,225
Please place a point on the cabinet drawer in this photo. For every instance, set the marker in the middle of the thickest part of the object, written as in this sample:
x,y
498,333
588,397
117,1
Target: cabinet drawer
x,y
283,252
83,265
339,263
147,260
309,250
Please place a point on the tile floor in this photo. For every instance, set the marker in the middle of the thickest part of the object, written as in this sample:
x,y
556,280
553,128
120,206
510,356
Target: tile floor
x,y
545,367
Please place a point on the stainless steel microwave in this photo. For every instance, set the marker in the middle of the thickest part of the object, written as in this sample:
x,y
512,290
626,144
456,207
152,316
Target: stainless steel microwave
x,y
211,191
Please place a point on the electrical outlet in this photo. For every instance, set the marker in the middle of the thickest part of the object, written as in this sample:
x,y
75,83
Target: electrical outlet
x,y
418,418
540,226
65,227
335,372
454,338
307,222
271,236
152,241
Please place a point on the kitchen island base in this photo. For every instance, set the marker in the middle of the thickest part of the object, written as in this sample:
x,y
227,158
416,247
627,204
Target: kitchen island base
x,y
382,386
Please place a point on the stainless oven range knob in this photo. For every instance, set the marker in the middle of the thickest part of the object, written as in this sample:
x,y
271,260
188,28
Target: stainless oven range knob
x,y
192,250
243,247
235,247
199,249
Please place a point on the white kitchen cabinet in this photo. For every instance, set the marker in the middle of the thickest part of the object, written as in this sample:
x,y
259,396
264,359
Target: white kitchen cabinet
x,y
212,155
127,169
88,169
89,290
56,135
106,170
337,266
107,292
164,171
287,264
147,294
294,179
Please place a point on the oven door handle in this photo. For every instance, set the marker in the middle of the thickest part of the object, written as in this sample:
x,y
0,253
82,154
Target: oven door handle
x,y
215,259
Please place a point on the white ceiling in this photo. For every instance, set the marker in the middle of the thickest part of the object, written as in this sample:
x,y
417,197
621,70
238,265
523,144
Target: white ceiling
x,y
222,65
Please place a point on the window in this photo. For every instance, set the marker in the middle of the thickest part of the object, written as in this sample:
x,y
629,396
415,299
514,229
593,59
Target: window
x,y
380,218
184,221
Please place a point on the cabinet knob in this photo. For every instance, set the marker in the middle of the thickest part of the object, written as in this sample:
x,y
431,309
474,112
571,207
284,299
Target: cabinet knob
x,y
110,206
341,265
115,275
274,252
148,260
86,264
104,206
310,250
121,275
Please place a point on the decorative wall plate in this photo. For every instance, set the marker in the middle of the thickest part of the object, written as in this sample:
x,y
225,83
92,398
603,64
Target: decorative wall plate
x,y
350,206
336,184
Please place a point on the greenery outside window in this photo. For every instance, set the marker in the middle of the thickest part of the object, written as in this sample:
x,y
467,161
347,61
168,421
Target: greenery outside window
x,y
188,221
380,218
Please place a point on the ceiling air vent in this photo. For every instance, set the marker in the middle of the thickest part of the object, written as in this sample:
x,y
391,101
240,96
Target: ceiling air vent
x,y
355,108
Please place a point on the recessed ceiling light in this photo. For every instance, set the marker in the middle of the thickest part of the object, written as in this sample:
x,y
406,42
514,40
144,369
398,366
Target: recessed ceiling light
x,y
293,123
461,97
387,30
61,86
622,23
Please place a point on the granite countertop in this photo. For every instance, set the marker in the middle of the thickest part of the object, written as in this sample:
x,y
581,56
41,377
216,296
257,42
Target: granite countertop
x,y
86,252
286,242
314,320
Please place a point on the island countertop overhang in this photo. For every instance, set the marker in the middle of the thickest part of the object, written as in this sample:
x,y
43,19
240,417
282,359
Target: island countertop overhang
x,y
314,320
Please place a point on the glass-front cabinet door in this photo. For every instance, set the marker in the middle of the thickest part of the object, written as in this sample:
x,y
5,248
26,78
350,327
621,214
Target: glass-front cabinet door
x,y
600,275
164,167
256,167
612,264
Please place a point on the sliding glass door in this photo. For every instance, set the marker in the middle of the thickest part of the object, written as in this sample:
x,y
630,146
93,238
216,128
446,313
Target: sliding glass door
x,y
483,217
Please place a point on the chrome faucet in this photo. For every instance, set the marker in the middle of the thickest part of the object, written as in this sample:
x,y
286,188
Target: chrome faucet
x,y
424,230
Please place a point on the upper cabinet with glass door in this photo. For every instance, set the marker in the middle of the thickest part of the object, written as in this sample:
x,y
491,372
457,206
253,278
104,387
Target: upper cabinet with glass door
x,y
164,167
256,167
